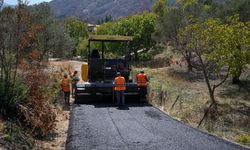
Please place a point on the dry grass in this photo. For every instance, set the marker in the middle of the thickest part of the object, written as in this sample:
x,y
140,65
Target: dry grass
x,y
168,83
57,140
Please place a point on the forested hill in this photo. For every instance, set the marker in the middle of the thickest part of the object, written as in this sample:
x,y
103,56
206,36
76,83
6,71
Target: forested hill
x,y
95,10
7,5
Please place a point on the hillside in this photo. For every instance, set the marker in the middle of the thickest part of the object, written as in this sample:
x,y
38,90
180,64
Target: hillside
x,y
94,10
6,5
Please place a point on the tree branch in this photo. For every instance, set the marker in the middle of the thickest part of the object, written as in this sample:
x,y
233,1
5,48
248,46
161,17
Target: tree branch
x,y
219,84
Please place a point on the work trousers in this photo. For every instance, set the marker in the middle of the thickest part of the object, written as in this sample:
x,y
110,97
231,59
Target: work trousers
x,y
73,89
143,93
120,97
66,97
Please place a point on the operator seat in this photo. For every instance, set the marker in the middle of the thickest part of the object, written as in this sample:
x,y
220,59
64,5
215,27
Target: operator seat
x,y
95,53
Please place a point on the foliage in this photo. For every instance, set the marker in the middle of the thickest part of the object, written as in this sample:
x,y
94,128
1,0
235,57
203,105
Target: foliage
x,y
202,40
81,49
145,57
232,7
37,111
12,90
239,42
159,8
107,19
217,46
41,15
140,27
244,139
77,30
16,138
167,26
22,75
63,44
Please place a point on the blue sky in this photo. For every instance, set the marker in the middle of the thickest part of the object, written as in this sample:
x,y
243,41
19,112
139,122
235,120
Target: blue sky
x,y
31,2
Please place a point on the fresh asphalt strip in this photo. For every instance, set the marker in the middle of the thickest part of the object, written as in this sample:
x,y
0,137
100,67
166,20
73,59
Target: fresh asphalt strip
x,y
135,127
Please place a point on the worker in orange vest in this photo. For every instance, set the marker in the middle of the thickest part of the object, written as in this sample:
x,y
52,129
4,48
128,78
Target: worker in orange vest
x,y
142,84
65,86
120,87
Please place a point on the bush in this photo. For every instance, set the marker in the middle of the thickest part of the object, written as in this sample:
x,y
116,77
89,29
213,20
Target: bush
x,y
16,138
38,113
145,57
244,139
11,95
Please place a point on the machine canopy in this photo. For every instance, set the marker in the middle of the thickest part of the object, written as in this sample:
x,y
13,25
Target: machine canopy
x,y
110,38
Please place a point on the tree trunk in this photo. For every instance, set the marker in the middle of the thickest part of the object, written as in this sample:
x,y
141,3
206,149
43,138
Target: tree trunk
x,y
210,90
236,77
187,56
189,65
136,55
236,80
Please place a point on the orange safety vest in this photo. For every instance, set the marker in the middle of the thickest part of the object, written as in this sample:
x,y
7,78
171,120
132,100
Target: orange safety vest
x,y
65,84
141,80
120,84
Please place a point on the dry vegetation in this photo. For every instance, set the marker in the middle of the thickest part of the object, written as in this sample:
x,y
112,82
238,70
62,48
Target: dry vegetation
x,y
184,96
13,136
57,140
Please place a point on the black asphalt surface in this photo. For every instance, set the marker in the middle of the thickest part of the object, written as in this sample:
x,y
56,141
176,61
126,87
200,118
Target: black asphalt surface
x,y
135,128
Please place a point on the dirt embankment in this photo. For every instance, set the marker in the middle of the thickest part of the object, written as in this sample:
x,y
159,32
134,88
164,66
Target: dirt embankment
x,y
57,141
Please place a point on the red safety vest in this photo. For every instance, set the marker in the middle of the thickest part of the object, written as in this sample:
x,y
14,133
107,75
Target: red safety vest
x,y
141,80
120,84
65,84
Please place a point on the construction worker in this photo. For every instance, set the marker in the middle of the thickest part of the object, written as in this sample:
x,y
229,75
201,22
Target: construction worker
x,y
74,80
65,86
142,85
120,87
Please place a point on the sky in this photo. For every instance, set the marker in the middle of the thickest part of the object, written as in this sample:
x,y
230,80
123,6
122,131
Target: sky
x,y
31,2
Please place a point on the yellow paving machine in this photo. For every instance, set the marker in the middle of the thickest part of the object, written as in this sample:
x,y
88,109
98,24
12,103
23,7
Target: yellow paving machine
x,y
100,72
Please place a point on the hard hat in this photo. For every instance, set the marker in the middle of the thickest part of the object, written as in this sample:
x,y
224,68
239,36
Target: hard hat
x,y
142,71
118,73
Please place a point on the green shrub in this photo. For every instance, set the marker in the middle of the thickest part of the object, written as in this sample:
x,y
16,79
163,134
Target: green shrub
x,y
244,139
145,57
11,95
16,138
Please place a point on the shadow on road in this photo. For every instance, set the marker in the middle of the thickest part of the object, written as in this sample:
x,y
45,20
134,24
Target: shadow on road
x,y
125,107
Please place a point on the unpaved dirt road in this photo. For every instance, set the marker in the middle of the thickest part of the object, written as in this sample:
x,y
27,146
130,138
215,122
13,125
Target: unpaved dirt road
x,y
135,128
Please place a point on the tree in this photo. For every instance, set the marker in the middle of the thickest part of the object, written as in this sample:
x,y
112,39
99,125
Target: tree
x,y
12,91
217,46
22,78
77,30
140,27
82,48
233,7
159,8
171,19
205,41
239,44
42,15
62,44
